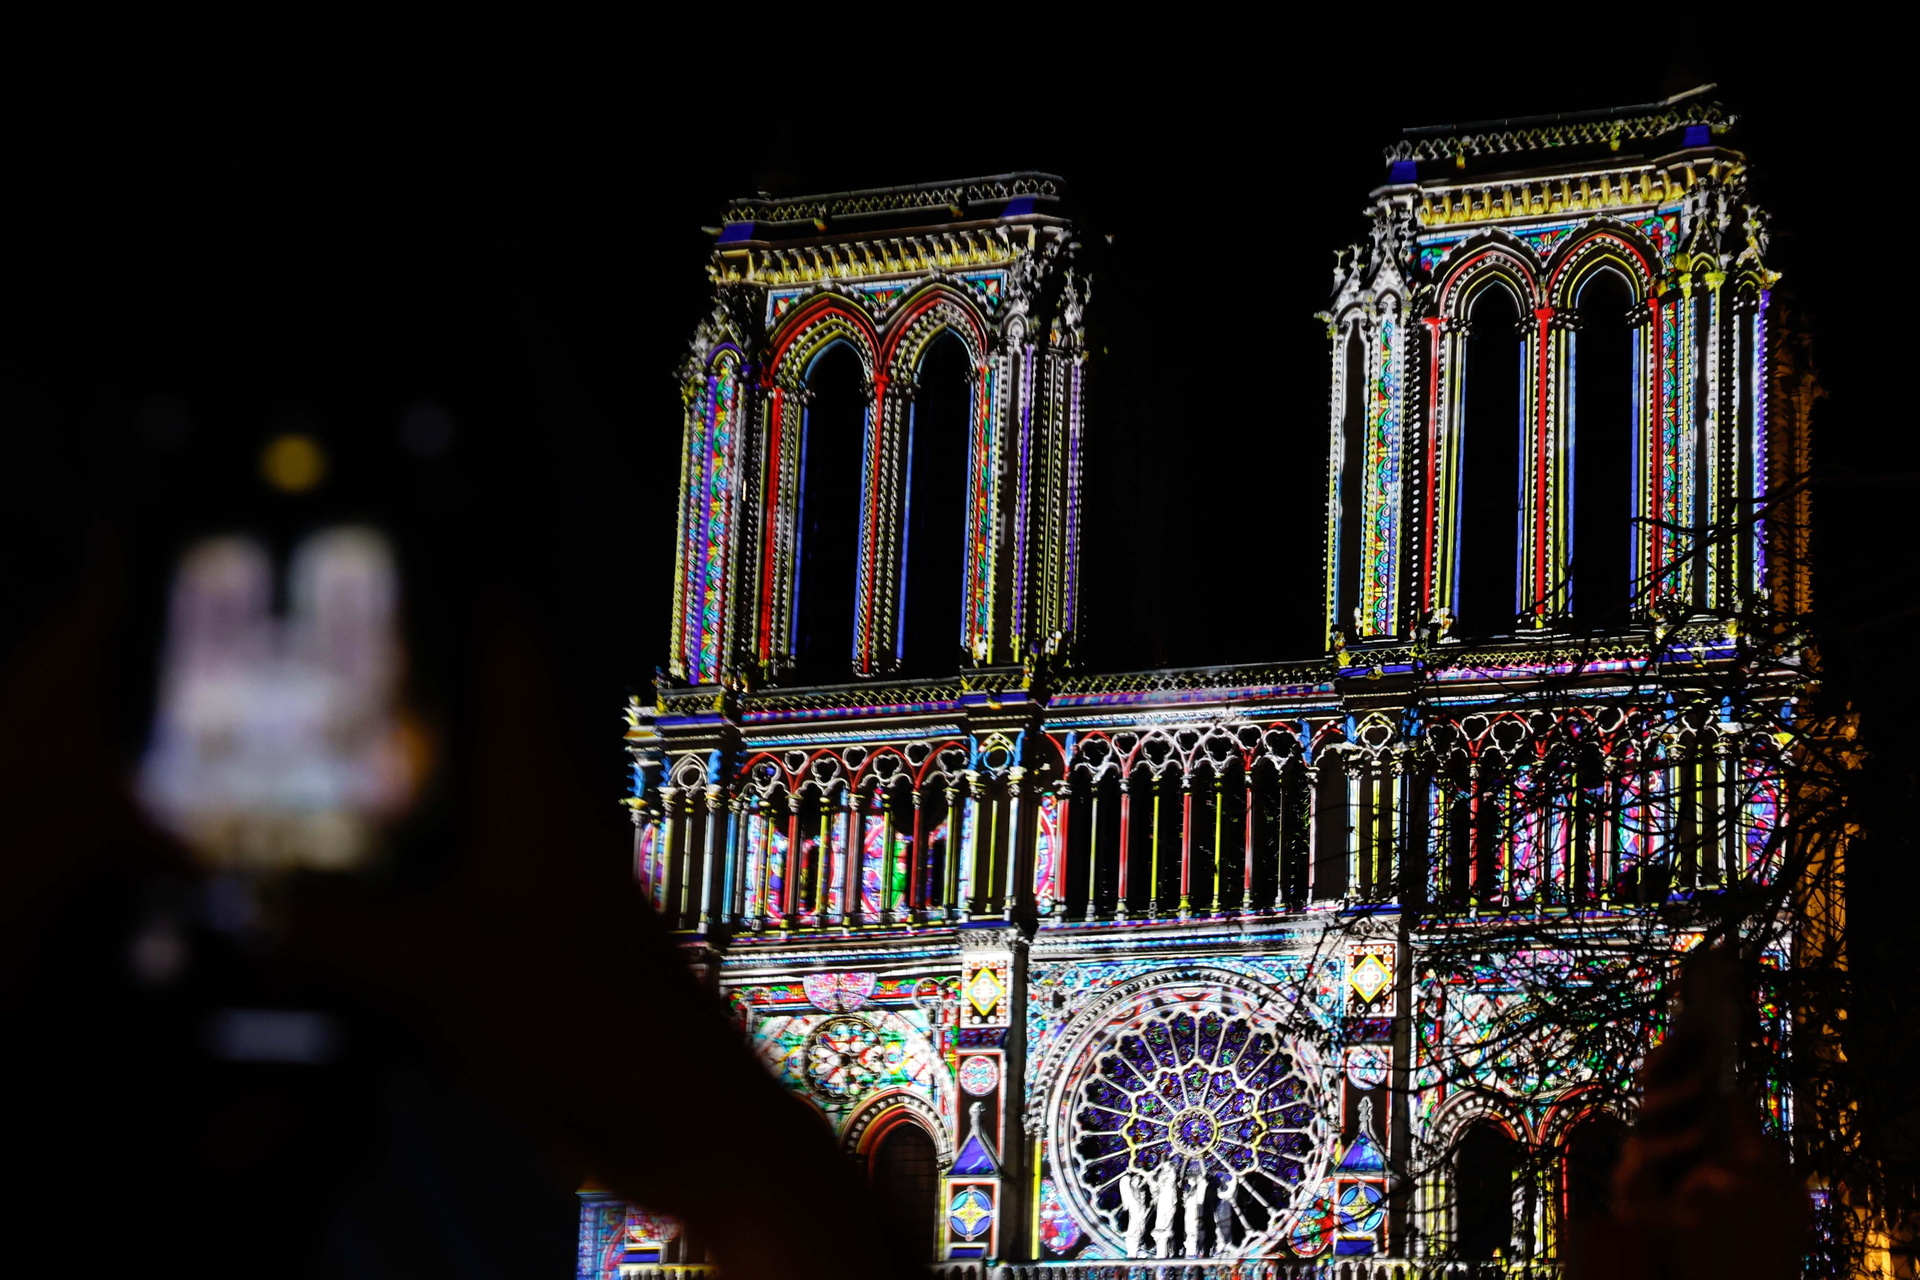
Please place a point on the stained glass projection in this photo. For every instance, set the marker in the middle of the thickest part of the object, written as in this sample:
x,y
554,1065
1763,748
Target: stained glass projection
x,y
1199,1107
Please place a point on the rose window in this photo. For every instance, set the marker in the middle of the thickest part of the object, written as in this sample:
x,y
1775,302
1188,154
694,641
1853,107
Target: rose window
x,y
846,1057
1217,1096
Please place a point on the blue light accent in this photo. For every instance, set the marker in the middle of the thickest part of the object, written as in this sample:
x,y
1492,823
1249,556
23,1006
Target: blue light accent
x,y
974,1159
733,843
736,231
1364,1156
1403,171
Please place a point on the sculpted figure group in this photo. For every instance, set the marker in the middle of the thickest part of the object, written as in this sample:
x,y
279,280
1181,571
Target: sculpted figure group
x,y
1154,1202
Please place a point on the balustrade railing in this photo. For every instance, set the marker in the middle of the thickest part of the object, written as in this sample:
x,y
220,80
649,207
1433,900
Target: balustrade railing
x,y
1176,1269
960,1271
1220,838
1256,1269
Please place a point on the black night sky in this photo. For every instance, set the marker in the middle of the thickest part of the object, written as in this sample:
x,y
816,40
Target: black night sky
x,y
207,264
212,276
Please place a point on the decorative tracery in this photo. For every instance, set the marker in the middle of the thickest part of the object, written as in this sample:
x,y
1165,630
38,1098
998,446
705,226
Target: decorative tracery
x,y
1018,316
1192,1124
709,517
1205,1098
1335,835
1697,413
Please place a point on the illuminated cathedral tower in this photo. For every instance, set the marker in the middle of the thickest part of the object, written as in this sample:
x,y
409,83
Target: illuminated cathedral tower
x,y
1169,964
1543,379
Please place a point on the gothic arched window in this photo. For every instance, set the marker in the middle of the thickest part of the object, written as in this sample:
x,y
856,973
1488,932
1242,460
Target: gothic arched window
x,y
827,558
1333,828
1137,860
1492,440
1455,845
1102,833
938,824
1205,825
1485,1168
1603,372
1591,1150
905,1170
1267,812
1292,831
1489,834
932,561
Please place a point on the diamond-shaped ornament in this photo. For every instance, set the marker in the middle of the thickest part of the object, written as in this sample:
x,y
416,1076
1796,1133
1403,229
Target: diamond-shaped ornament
x,y
985,991
1369,978
970,1212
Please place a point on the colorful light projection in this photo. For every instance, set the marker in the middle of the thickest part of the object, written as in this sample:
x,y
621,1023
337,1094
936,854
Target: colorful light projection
x,y
734,604
709,486
1698,386
1149,1042
1381,502
279,741
1194,1124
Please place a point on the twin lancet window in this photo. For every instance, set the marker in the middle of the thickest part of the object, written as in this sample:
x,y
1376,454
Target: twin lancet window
x,y
1491,592
881,475
835,442
1568,441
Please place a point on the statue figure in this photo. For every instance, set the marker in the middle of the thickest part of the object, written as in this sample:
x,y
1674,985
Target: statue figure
x,y
1223,1216
1166,1203
1757,234
1193,1191
1133,1198
1522,1220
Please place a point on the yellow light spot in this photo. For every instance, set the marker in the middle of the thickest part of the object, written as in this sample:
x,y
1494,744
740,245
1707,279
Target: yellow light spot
x,y
293,463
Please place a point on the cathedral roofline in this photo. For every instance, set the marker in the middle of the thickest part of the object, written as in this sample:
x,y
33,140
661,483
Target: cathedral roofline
x,y
1646,109
1695,118
1021,195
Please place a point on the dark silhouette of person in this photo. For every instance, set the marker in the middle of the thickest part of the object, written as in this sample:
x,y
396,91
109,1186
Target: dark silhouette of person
x,y
484,1028
1699,1190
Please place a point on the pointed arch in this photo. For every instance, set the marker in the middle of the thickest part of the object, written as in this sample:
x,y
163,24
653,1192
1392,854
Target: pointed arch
x,y
804,338
1484,485
811,327
934,312
920,318
1603,244
868,1127
1500,258
1479,397
928,636
1603,357
891,358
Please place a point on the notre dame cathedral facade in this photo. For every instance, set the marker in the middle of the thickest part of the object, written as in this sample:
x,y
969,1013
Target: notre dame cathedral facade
x,y
1229,963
